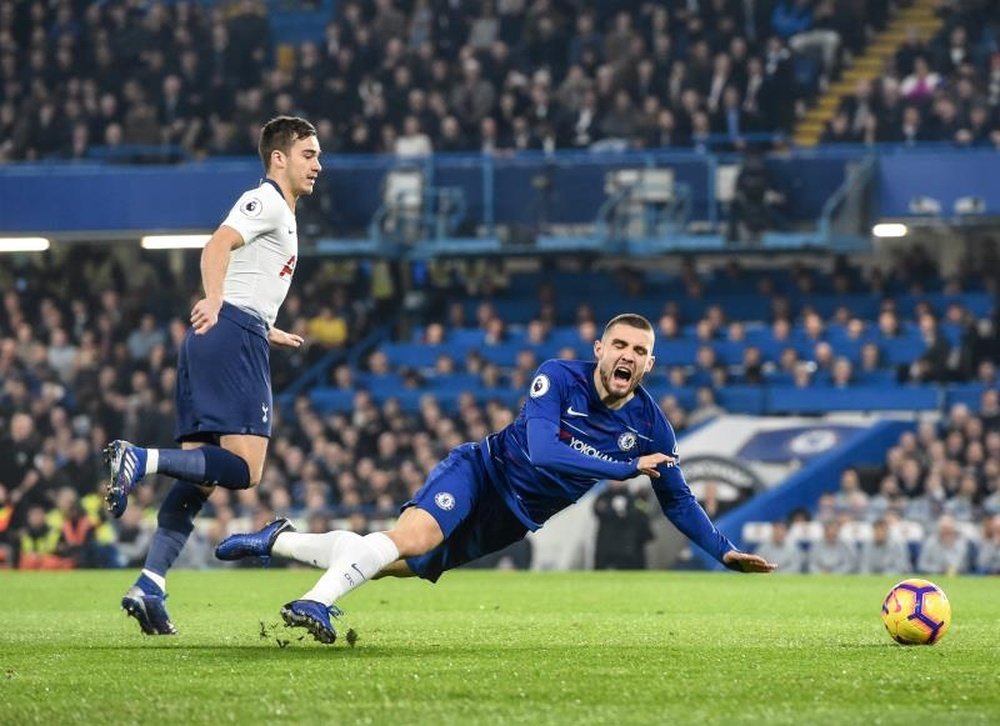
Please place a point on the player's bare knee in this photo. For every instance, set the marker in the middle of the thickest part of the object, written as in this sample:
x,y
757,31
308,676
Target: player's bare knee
x,y
416,536
256,474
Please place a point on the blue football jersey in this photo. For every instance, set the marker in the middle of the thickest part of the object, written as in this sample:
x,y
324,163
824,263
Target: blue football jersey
x,y
565,440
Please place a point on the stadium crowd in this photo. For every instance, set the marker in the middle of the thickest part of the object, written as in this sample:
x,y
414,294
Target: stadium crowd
x,y
934,507
88,341
946,90
81,365
81,80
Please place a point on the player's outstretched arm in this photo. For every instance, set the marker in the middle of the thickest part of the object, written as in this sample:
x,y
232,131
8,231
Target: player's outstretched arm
x,y
214,264
683,510
545,450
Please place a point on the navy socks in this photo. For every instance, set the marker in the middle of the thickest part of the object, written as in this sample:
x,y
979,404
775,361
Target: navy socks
x,y
176,521
207,465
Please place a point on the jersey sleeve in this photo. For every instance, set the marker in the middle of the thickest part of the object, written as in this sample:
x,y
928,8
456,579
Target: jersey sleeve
x,y
547,392
253,214
678,502
547,396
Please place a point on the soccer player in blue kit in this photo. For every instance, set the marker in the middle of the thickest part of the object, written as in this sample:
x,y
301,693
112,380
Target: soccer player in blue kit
x,y
224,406
582,422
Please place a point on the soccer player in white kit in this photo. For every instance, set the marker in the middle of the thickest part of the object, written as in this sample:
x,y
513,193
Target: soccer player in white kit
x,y
224,404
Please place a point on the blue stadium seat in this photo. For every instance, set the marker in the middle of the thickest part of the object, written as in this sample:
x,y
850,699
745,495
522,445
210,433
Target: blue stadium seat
x,y
504,354
824,400
456,381
465,337
565,337
373,381
742,399
416,355
970,394
729,353
676,351
902,351
882,377
325,400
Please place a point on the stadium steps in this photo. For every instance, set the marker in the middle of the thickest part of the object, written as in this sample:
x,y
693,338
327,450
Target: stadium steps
x,y
919,17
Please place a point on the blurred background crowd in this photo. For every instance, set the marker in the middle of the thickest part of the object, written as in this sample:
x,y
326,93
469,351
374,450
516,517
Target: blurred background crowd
x,y
405,360
161,81
81,365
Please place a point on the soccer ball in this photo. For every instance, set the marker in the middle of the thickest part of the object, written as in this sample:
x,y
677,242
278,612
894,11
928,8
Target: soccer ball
x,y
916,612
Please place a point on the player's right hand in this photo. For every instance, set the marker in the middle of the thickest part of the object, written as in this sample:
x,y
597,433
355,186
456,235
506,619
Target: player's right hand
x,y
205,314
647,464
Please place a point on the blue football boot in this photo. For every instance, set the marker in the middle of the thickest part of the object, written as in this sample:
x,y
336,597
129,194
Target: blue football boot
x,y
314,617
252,544
127,465
149,610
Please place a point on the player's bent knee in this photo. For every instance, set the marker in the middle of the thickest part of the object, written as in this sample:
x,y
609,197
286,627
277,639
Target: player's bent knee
x,y
416,533
255,476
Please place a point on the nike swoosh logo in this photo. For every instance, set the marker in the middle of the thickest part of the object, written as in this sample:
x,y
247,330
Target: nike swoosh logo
x,y
571,412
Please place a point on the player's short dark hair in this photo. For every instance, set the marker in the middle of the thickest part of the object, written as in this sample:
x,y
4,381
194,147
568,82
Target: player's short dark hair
x,y
633,319
280,133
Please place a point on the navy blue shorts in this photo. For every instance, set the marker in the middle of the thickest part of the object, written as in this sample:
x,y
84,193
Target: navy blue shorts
x,y
224,379
472,514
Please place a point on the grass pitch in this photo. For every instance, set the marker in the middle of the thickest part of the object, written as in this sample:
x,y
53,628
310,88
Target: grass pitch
x,y
491,647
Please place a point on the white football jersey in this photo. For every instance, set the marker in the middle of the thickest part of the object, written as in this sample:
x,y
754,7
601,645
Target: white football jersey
x,y
261,270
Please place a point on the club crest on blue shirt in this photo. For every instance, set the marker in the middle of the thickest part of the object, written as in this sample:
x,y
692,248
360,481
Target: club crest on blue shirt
x,y
539,386
445,501
626,442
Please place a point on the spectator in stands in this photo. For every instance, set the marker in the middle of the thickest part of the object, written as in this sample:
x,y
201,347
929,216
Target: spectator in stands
x,y
933,364
883,554
133,533
754,207
39,543
929,505
888,499
623,529
850,491
838,130
413,141
831,554
753,366
77,541
6,533
843,373
921,83
946,551
17,472
988,559
991,504
782,551
962,504
706,409
327,329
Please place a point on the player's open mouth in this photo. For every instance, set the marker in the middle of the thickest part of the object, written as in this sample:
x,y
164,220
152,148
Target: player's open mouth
x,y
622,373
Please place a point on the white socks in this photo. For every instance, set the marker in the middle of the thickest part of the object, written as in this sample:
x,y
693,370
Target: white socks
x,y
160,580
152,460
317,550
356,560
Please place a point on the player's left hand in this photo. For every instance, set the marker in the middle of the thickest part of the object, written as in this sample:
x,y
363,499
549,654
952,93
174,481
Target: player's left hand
x,y
276,336
746,562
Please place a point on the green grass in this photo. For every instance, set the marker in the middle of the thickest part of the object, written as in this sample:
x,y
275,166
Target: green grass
x,y
496,647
